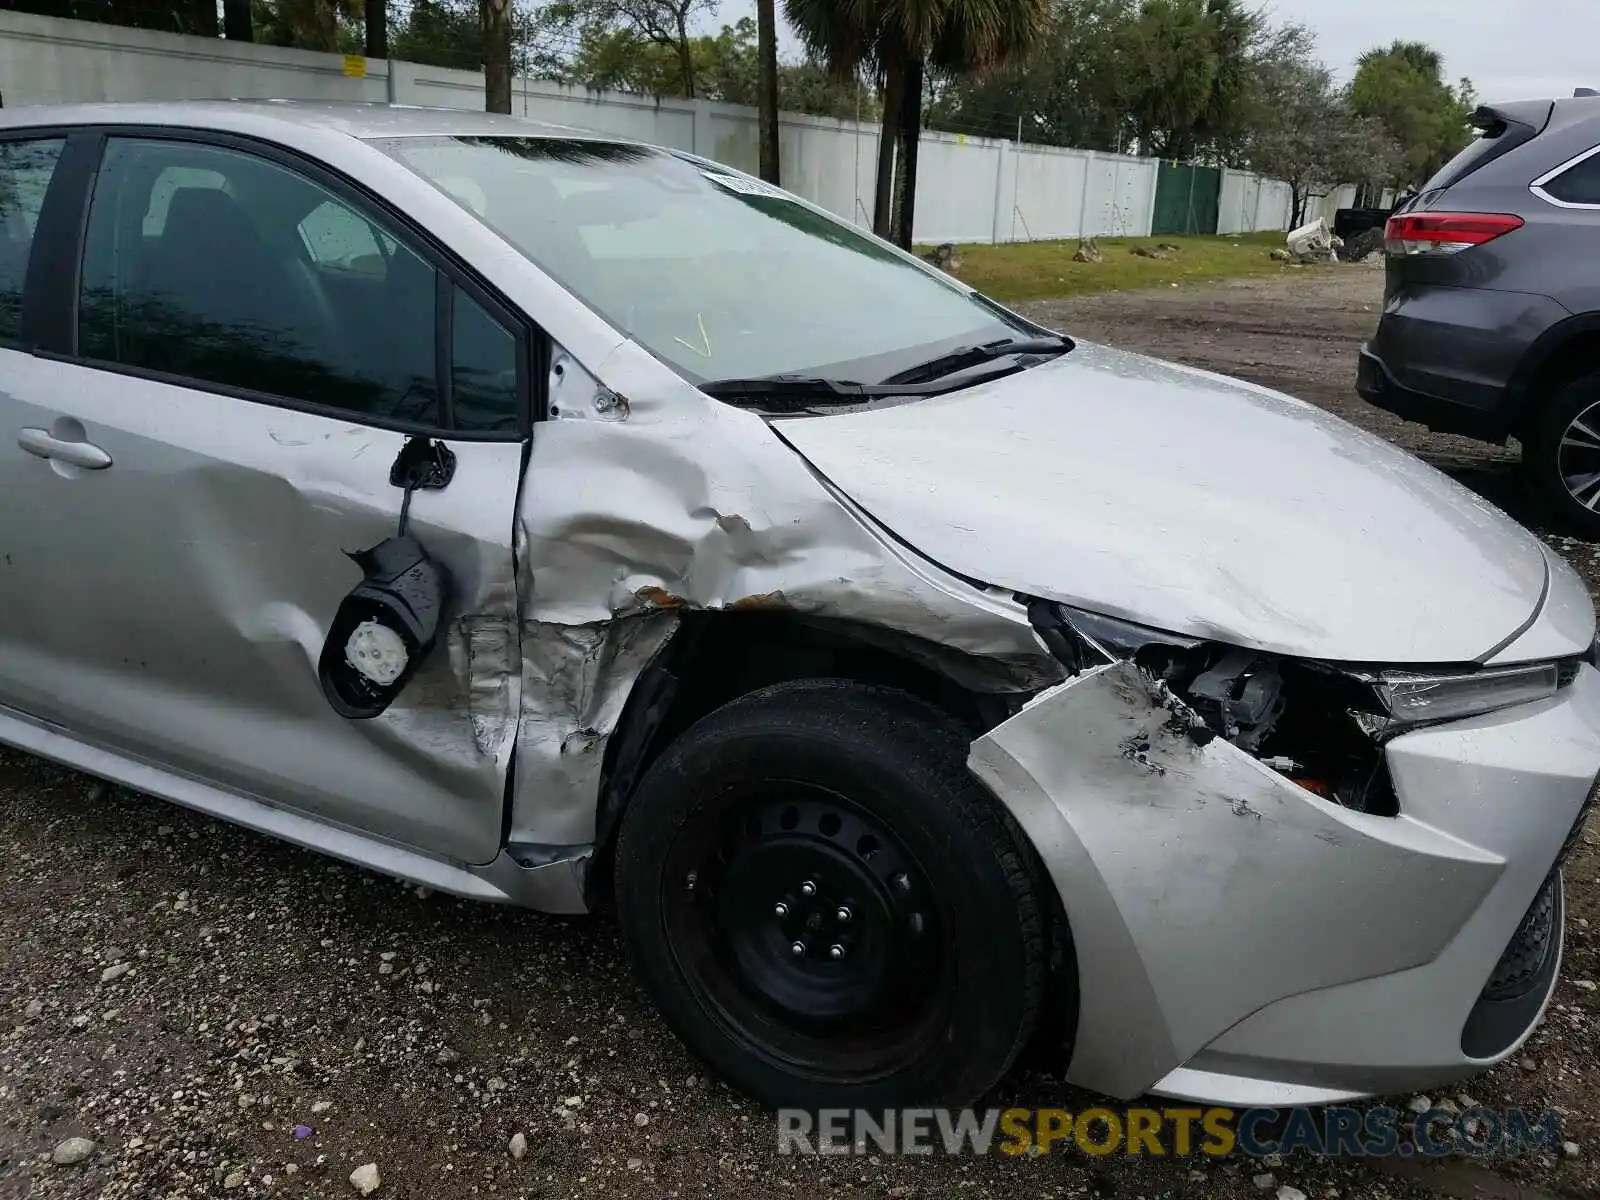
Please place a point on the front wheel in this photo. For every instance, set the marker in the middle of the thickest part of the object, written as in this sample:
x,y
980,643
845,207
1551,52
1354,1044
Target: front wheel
x,y
827,908
1561,455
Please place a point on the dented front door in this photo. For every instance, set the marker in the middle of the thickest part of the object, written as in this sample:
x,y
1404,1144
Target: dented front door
x,y
173,605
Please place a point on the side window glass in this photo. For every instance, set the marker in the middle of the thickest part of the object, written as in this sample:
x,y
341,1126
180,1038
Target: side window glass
x,y
1579,184
166,186
483,377
199,262
336,238
25,171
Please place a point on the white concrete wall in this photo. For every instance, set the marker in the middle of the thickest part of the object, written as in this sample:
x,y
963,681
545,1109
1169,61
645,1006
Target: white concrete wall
x,y
1250,203
968,189
44,60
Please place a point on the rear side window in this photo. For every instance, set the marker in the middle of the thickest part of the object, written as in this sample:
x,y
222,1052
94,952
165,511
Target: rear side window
x,y
25,171
1500,131
1578,184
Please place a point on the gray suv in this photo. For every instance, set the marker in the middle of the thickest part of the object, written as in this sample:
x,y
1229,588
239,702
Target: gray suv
x,y
1491,319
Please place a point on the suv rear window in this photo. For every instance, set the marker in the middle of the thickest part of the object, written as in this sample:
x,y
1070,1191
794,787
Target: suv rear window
x,y
1579,183
1500,131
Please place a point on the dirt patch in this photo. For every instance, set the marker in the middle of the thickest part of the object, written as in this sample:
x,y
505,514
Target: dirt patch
x,y
283,1020
1298,333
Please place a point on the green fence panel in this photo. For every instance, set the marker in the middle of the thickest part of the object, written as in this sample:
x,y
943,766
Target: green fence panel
x,y
1187,199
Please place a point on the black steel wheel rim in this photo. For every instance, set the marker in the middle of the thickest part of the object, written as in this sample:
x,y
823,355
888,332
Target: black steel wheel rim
x,y
807,931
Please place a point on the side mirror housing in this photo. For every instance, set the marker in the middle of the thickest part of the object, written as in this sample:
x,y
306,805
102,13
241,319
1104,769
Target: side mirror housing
x,y
383,629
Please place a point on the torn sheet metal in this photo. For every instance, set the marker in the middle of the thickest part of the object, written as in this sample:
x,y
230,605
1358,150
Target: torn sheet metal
x,y
1201,885
575,679
670,501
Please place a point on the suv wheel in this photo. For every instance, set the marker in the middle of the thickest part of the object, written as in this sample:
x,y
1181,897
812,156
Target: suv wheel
x,y
1562,454
826,907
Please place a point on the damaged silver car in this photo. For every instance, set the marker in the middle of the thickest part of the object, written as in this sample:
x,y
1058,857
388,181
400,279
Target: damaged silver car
x,y
556,520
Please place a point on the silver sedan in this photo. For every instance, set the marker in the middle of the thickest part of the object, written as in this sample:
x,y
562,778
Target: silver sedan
x,y
551,519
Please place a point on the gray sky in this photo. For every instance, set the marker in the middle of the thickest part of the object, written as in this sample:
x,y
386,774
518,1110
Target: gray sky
x,y
1510,49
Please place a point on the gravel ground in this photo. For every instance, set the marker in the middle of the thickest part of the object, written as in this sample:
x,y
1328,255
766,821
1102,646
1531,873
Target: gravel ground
x,y
223,1015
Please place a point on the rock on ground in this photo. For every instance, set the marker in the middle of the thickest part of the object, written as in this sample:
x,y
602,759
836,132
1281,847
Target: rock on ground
x,y
72,1151
365,1179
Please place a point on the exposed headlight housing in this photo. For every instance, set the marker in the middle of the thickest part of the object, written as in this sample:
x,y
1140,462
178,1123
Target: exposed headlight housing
x,y
1321,724
1397,696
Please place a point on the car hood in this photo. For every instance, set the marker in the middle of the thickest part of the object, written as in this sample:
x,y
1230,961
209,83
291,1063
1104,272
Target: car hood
x,y
1192,502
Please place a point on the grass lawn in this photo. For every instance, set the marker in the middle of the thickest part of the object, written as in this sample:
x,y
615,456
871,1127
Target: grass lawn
x,y
1044,270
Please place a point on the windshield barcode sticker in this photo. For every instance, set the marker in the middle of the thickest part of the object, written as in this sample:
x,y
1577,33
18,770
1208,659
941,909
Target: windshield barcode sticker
x,y
746,187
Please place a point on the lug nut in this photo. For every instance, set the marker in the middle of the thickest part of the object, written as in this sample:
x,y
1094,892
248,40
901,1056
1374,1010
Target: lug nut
x,y
780,909
843,914
798,949
835,951
903,882
808,888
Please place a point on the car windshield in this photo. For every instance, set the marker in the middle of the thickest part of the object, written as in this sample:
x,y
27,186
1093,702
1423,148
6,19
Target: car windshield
x,y
720,276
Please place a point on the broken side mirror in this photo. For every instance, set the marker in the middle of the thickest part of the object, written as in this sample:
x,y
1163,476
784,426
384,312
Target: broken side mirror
x,y
388,623
383,629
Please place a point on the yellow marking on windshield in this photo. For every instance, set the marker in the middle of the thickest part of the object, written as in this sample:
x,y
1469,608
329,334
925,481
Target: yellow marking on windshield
x,y
705,339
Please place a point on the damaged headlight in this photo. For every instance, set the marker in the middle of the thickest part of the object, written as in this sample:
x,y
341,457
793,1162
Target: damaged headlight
x,y
1418,698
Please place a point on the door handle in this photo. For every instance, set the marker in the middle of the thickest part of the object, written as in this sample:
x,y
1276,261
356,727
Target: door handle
x,y
44,444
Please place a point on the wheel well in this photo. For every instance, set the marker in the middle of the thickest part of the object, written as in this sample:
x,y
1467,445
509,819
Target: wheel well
x,y
1574,357
715,658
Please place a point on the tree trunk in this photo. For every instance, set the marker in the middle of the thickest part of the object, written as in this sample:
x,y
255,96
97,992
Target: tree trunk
x,y
685,57
910,134
377,28
202,20
1297,206
497,55
236,26
888,135
767,89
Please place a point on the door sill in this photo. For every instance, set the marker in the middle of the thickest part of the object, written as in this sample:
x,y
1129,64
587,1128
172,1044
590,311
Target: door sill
x,y
554,886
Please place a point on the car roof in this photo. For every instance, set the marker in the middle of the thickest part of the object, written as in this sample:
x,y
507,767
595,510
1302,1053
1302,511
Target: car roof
x,y
354,119
1572,110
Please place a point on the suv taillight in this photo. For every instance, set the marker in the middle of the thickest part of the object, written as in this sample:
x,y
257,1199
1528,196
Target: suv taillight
x,y
1409,234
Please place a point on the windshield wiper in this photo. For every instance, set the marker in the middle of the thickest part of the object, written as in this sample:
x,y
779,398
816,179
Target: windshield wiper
x,y
972,356
818,389
798,393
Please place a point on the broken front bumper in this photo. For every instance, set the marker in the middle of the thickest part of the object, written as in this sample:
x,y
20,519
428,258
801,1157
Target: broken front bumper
x,y
1242,941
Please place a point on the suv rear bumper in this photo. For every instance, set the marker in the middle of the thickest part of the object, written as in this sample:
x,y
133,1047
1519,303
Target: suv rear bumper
x,y
1445,355
1379,388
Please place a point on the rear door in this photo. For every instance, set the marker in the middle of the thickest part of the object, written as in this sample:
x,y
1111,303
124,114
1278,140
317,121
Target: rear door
x,y
227,350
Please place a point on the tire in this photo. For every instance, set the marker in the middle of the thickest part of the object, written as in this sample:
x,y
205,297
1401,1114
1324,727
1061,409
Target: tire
x,y
1358,245
923,992
1557,451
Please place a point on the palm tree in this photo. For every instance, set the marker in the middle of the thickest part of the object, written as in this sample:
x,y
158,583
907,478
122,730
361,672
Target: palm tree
x,y
767,87
898,40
